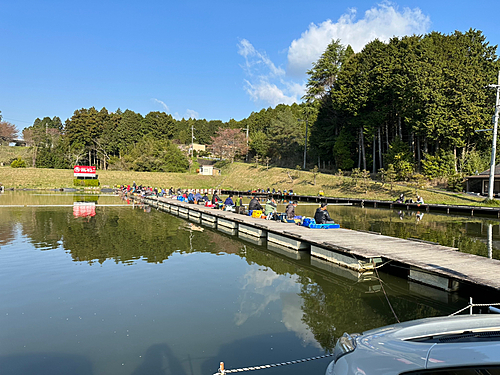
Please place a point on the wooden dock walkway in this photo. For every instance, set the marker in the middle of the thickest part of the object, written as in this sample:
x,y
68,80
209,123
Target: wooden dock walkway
x,y
492,212
439,266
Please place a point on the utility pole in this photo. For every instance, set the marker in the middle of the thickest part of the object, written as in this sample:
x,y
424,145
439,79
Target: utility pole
x,y
305,144
192,139
246,156
494,146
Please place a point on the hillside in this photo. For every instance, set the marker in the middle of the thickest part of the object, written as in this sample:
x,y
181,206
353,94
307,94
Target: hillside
x,y
238,176
9,153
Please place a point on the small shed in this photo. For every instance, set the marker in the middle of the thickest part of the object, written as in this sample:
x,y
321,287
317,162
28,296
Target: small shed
x,y
207,167
480,183
209,170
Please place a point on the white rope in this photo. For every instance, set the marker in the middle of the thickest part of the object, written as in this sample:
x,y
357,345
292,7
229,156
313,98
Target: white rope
x,y
474,305
272,365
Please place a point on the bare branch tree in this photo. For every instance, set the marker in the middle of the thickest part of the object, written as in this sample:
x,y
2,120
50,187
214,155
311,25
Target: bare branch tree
x,y
228,143
8,132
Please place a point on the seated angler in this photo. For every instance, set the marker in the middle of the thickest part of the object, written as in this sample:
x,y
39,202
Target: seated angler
x,y
290,210
197,197
215,199
229,201
190,197
254,205
270,208
321,216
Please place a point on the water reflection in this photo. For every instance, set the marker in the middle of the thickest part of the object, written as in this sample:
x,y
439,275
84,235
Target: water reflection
x,y
159,360
468,234
45,364
490,241
84,206
261,287
188,297
84,209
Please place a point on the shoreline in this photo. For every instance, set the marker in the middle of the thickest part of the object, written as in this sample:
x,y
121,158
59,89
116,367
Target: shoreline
x,y
240,177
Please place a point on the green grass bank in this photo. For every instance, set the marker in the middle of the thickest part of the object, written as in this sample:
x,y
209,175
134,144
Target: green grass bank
x,y
240,176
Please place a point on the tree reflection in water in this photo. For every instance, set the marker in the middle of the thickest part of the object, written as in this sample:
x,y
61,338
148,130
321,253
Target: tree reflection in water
x,y
330,304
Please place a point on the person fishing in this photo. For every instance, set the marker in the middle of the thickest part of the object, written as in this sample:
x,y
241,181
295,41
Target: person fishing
x,y
229,201
290,210
215,199
255,205
321,216
270,208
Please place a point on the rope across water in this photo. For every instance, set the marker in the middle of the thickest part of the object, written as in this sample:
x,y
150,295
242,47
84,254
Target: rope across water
x,y
474,305
223,372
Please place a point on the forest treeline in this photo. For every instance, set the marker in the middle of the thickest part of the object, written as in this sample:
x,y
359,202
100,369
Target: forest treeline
x,y
409,105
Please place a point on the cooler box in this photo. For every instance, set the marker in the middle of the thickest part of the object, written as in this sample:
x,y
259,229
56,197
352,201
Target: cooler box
x,y
308,221
257,213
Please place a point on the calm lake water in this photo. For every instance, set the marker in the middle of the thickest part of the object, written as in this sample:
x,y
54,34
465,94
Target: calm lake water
x,y
89,286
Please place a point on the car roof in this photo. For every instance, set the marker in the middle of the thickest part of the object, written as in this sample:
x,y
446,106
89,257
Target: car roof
x,y
439,326
403,347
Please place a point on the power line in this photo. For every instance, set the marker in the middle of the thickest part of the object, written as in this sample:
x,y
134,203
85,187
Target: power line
x,y
11,119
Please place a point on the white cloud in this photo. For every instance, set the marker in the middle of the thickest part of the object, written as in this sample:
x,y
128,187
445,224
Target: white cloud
x,y
162,103
268,92
264,77
256,61
192,114
189,112
381,22
265,82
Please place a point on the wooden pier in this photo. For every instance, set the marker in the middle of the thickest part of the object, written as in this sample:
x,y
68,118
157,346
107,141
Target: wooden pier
x,y
427,263
492,212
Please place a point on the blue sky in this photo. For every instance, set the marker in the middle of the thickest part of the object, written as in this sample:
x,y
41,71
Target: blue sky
x,y
203,59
